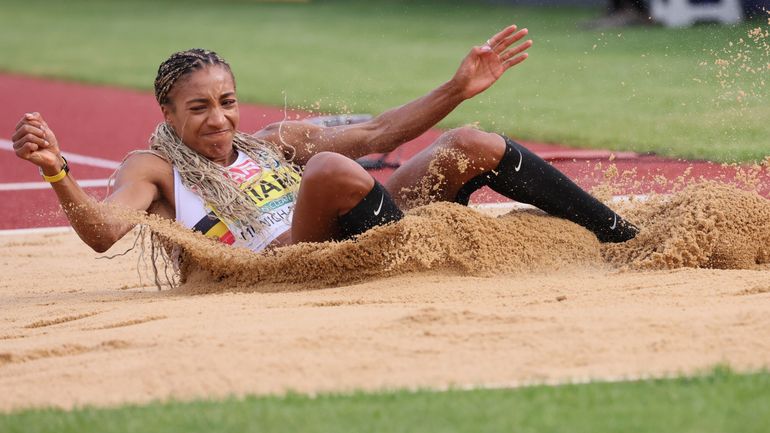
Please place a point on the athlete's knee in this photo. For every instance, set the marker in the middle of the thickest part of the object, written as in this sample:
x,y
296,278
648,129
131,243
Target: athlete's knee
x,y
337,174
332,167
476,144
465,134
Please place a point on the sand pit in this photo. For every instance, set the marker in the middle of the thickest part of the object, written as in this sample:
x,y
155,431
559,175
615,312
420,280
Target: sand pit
x,y
448,297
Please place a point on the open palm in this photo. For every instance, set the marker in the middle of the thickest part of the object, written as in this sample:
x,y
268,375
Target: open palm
x,y
487,63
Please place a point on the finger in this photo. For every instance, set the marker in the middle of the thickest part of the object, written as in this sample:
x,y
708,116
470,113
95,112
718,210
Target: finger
x,y
494,40
34,118
28,118
41,142
516,50
515,61
45,131
24,122
48,134
26,130
26,150
507,42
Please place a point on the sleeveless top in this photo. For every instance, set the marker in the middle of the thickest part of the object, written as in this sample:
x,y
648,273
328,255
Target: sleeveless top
x,y
263,185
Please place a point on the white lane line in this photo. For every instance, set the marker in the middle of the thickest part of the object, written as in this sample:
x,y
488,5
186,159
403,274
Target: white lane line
x,y
511,205
26,186
36,231
73,157
502,206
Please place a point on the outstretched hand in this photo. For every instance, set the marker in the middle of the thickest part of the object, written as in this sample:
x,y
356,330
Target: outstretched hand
x,y
485,64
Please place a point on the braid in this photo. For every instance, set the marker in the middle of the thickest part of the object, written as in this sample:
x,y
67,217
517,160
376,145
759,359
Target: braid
x,y
198,173
181,64
212,182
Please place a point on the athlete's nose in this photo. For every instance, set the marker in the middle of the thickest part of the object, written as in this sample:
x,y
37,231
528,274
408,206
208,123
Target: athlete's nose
x,y
216,118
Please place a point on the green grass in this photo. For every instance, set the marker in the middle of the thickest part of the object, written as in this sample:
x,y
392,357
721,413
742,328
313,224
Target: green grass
x,y
649,89
721,401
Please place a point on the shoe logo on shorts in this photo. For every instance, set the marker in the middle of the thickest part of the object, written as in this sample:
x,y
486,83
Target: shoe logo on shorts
x,y
377,212
521,158
614,222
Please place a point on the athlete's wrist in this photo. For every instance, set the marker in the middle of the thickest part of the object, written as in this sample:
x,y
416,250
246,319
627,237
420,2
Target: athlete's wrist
x,y
454,90
55,169
52,167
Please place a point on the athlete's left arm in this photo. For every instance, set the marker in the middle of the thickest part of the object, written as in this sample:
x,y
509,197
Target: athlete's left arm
x,y
481,68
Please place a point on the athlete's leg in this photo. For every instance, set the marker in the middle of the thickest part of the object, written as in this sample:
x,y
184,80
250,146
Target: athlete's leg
x,y
525,177
479,159
334,200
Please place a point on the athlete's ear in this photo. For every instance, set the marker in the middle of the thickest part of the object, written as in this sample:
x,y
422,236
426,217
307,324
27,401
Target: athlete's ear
x,y
167,111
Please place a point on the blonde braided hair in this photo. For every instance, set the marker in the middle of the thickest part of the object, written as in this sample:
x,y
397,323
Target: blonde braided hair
x,y
211,181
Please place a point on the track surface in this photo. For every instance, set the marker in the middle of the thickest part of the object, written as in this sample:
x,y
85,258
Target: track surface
x,y
98,125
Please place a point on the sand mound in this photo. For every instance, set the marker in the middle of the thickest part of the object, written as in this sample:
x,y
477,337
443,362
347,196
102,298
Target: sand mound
x,y
706,225
443,236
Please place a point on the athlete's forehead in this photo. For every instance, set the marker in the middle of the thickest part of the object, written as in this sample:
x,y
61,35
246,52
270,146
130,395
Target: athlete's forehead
x,y
213,82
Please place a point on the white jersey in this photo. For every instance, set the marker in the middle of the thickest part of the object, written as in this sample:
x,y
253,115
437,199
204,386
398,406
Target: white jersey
x,y
269,192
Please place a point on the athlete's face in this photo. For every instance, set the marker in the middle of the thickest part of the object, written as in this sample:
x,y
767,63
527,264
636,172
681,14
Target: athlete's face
x,y
203,110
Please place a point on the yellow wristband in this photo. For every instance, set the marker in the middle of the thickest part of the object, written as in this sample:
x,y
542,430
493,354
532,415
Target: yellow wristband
x,y
55,178
65,168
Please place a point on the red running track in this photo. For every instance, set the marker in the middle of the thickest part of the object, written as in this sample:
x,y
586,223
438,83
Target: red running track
x,y
98,125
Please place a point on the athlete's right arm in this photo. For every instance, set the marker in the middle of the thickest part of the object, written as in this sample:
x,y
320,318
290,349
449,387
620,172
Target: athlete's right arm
x,y
97,224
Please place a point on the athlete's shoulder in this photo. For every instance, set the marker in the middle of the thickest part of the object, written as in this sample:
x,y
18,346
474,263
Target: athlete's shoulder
x,y
143,171
146,164
146,158
146,155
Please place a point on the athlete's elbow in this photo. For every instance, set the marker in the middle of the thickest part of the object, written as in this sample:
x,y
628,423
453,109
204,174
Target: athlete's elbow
x,y
100,244
100,247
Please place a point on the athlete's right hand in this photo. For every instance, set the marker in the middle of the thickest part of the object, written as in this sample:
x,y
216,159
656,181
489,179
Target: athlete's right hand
x,y
34,141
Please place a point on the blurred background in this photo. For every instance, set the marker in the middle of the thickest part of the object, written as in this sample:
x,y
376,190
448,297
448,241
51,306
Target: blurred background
x,y
693,91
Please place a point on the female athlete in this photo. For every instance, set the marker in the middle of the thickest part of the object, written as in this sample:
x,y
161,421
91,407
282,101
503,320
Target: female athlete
x,y
298,182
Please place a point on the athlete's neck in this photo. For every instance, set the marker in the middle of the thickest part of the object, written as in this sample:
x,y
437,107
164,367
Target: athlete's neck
x,y
231,159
